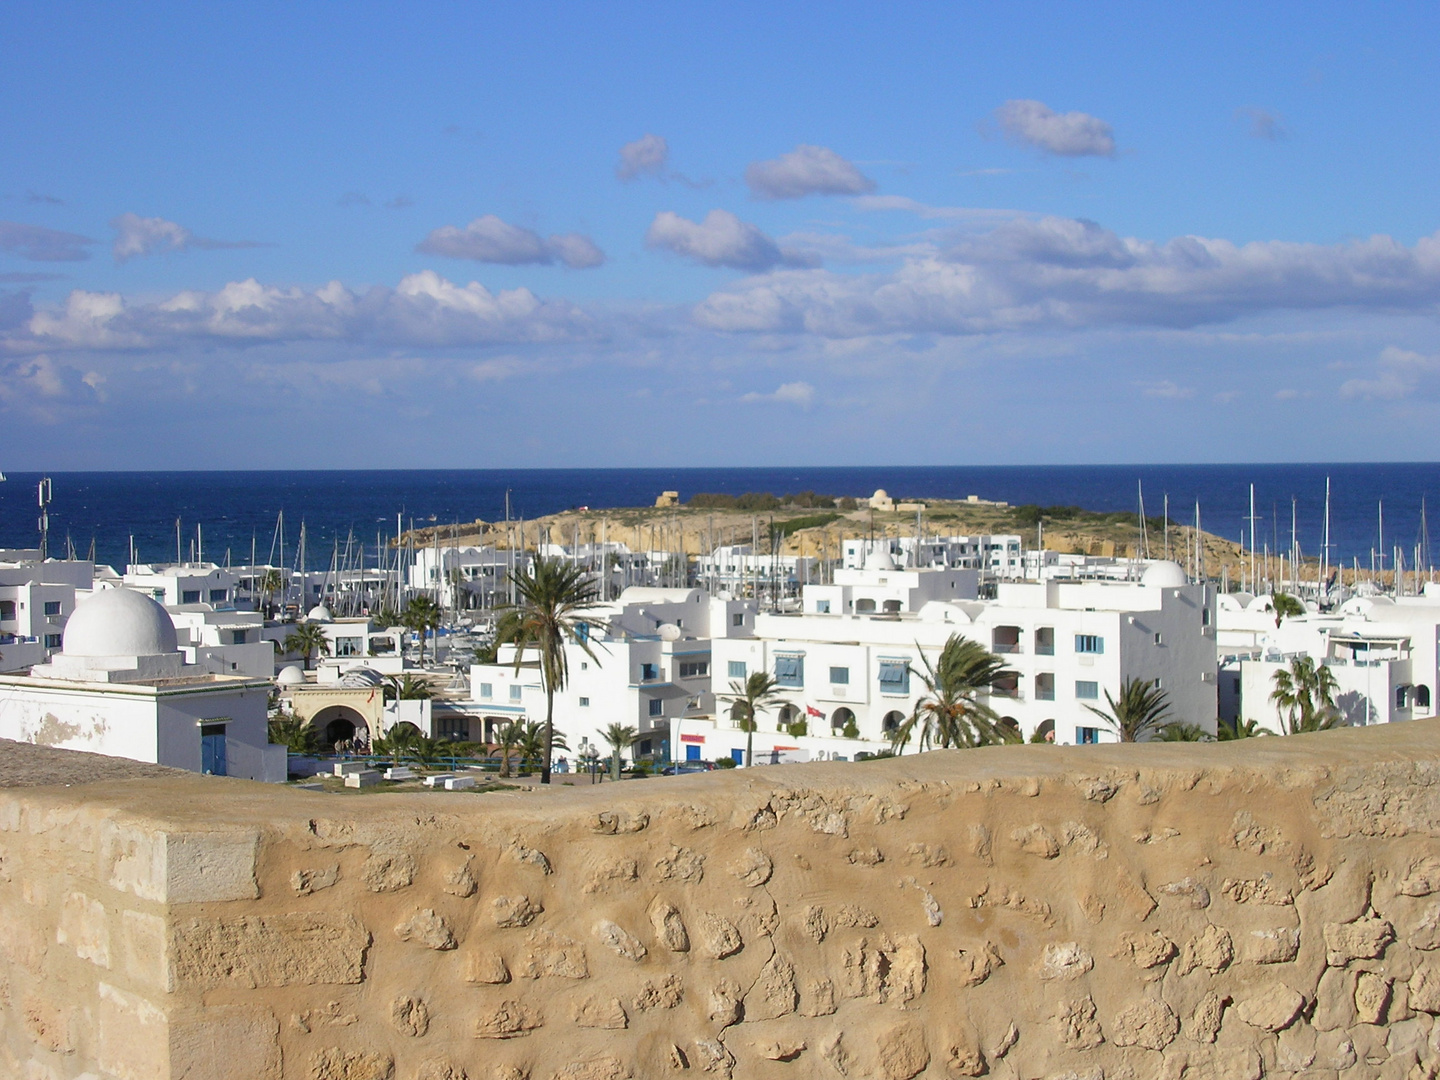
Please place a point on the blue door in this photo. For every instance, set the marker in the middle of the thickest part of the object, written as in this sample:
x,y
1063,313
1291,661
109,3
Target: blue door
x,y
692,752
212,749
737,756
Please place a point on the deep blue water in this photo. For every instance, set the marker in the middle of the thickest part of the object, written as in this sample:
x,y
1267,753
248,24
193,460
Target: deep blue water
x,y
235,507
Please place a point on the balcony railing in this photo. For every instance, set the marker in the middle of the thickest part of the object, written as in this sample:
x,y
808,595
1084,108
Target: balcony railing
x,y
1006,647
1045,650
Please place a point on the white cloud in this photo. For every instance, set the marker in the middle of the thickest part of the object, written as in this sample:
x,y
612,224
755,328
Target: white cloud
x,y
1264,124
647,155
1072,134
1061,273
722,239
424,309
1399,373
39,244
806,170
1167,389
491,240
932,213
791,393
137,236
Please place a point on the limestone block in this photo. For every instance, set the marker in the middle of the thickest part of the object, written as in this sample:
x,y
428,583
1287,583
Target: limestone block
x,y
871,856
1295,1048
680,864
1271,1008
440,1068
180,868
1212,950
528,856
669,927
132,1035
619,940
85,927
724,1002
486,967
781,1050
330,1015
901,1052
1426,934
1422,878
1064,961
365,778
774,993
388,873
927,855
1187,892
1372,997
618,872
513,911
596,1012
460,783
426,927
460,880
754,867
314,879
1205,1021
1365,938
613,822
508,1020
410,1016
1277,946
1076,1025
718,936
1037,840
142,949
664,994
1147,950
269,950
48,1024
553,956
934,916
1150,1024
854,916
1261,890
817,997
978,842
1334,1050
226,1043
334,1063
1334,1000
964,1056
976,963
1425,987
605,1067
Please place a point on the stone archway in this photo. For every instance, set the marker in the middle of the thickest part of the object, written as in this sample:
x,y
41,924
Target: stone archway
x,y
339,723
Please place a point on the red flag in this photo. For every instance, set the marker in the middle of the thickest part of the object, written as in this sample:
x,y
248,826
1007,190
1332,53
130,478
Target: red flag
x,y
810,710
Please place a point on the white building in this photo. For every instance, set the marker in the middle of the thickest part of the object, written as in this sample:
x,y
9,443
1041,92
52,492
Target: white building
x,y
121,687
36,598
1381,651
651,668
174,584
999,555
1066,644
735,569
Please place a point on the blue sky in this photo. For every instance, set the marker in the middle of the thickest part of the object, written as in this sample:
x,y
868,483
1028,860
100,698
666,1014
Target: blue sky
x,y
627,234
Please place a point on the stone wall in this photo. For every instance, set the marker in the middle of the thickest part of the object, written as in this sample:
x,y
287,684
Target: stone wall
x,y
1268,908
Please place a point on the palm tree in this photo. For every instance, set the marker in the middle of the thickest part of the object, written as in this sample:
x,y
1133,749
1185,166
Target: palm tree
x,y
398,741
752,697
951,713
1179,731
270,583
407,688
1305,696
1227,731
620,737
1286,607
307,639
508,739
554,595
296,735
1139,712
422,615
535,739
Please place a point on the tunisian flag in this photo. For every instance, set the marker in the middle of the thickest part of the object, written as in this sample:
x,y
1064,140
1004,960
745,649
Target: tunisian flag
x,y
810,710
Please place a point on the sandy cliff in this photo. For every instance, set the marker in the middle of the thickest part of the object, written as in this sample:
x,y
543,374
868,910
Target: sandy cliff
x,y
1264,908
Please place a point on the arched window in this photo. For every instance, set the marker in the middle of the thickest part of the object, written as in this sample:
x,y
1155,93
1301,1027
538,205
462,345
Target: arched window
x,y
892,721
1422,697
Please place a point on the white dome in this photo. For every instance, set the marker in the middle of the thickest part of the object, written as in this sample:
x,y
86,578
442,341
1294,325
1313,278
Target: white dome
x,y
361,678
880,560
880,495
319,613
290,675
1164,575
119,622
669,632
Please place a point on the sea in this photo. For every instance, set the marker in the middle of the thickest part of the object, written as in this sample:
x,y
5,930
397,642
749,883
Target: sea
x,y
237,513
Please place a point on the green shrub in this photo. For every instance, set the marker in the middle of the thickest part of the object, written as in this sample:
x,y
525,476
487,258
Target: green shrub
x,y
725,763
851,729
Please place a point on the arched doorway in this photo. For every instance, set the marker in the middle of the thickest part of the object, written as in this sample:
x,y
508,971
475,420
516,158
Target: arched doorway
x,y
840,719
788,715
340,723
1013,726
892,721
1046,731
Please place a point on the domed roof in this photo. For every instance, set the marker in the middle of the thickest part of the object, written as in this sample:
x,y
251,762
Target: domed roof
x,y
119,622
361,678
290,675
880,495
319,613
879,560
669,632
1164,574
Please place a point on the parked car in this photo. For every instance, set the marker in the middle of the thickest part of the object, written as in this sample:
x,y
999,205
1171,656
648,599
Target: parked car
x,y
677,768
